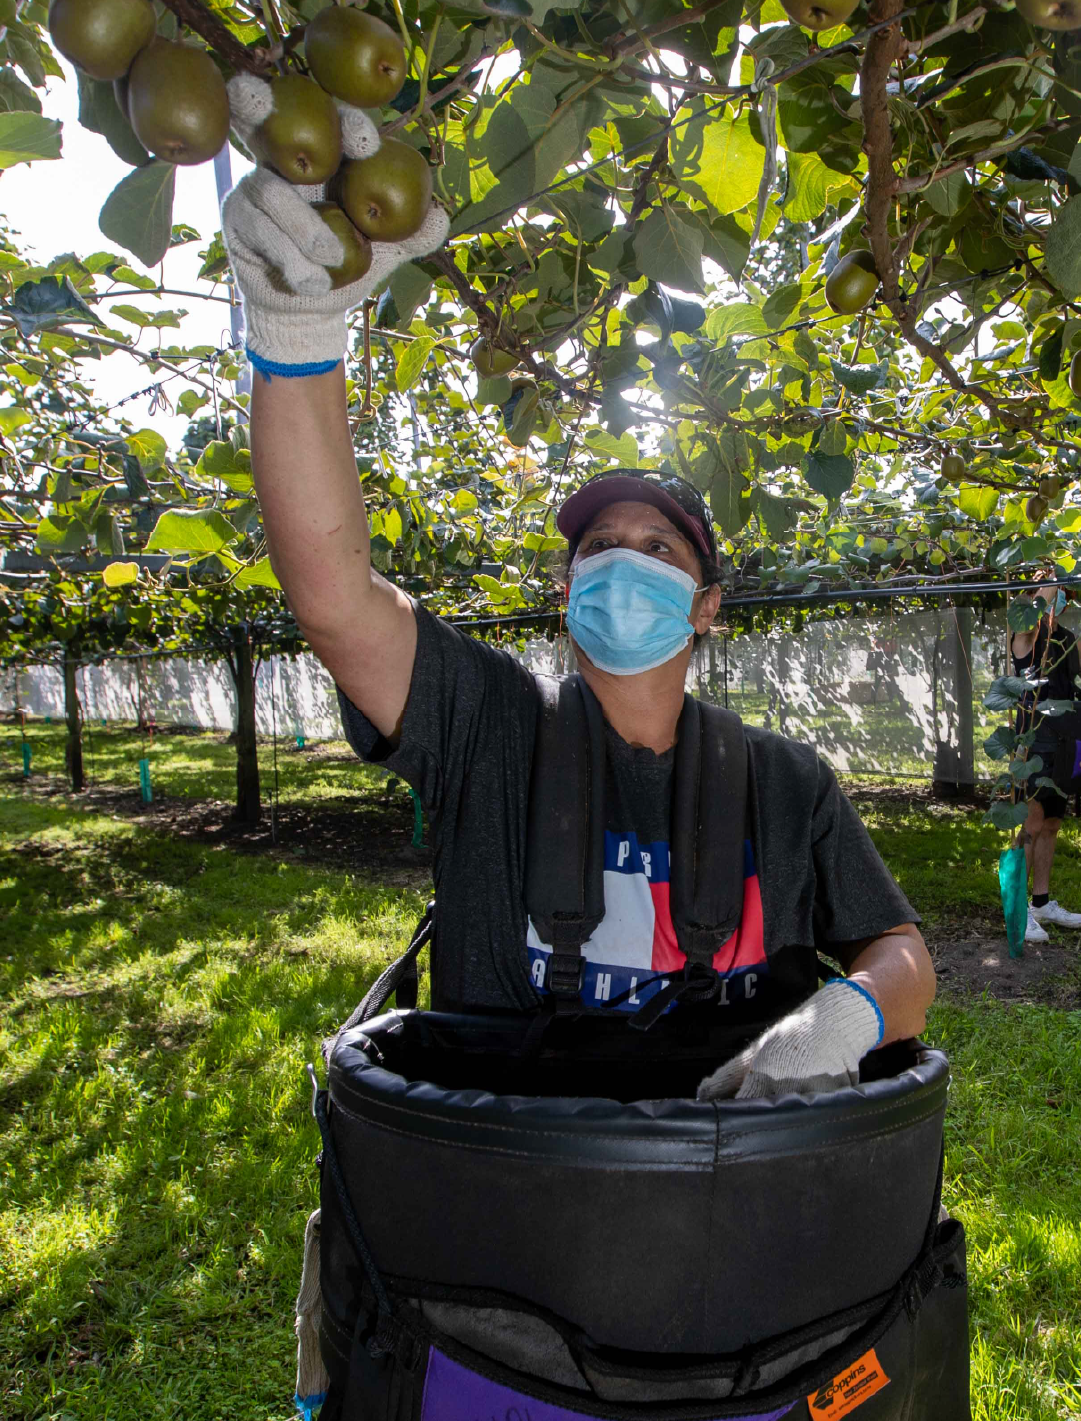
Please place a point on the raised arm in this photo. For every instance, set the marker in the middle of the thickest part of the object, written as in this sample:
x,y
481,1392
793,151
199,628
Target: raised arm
x,y
360,626
281,250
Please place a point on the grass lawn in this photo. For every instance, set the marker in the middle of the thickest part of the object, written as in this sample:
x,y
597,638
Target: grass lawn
x,y
158,1000
198,764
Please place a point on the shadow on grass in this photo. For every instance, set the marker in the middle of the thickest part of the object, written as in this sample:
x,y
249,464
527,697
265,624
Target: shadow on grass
x,y
160,1000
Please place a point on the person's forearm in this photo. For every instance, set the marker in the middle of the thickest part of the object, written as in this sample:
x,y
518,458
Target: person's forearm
x,y
896,969
306,480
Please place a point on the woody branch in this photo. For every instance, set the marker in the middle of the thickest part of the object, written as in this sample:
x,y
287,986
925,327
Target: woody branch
x,y
219,37
884,48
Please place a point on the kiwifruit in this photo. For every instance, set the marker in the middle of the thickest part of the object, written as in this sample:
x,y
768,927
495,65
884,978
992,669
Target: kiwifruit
x,y
1051,14
177,103
101,37
301,137
851,285
489,360
358,250
818,14
355,56
387,195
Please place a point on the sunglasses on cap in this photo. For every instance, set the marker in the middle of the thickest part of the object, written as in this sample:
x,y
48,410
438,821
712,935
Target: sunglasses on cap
x,y
680,501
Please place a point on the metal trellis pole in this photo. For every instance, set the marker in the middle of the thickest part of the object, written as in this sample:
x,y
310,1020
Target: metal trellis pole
x,y
223,178
274,735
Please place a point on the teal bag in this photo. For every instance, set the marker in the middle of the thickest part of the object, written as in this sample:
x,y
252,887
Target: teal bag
x,y
1013,884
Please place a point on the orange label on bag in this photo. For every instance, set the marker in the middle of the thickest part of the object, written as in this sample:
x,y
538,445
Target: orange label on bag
x,y
851,1388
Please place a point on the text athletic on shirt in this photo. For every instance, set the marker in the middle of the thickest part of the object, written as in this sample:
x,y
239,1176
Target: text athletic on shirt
x,y
633,953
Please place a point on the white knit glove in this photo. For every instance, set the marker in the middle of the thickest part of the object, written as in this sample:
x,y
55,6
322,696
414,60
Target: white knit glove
x,y
818,1047
269,228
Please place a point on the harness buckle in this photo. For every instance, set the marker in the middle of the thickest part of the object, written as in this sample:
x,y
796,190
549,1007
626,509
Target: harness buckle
x,y
565,974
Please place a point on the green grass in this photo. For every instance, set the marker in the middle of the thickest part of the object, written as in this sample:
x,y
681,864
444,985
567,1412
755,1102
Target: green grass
x,y
1013,1129
158,1001
946,859
195,765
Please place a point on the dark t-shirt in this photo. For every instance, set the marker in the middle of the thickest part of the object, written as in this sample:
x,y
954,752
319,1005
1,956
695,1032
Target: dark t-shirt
x,y
812,877
1051,664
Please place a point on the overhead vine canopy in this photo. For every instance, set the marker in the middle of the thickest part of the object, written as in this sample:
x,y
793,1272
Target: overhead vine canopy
x,y
647,200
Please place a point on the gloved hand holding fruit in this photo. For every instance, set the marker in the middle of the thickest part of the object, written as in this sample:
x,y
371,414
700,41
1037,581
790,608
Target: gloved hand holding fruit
x,y
329,212
302,261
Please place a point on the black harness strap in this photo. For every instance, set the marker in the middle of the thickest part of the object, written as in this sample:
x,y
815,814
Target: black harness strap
x,y
400,980
709,807
564,868
564,859
564,877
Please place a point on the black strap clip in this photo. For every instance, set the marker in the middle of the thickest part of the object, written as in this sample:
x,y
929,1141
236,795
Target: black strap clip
x,y
566,972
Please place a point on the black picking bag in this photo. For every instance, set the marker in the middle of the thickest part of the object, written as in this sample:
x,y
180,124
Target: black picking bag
x,y
568,1248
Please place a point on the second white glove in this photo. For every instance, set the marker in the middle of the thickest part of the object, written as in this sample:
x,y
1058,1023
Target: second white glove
x,y
817,1047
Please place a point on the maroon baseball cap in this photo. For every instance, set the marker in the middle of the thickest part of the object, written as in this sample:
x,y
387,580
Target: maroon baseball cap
x,y
678,500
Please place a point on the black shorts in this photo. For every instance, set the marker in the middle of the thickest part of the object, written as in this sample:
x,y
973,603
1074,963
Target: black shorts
x,y
1052,801
1053,804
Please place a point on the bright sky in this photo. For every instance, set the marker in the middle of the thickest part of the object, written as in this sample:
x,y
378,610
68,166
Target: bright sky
x,y
54,207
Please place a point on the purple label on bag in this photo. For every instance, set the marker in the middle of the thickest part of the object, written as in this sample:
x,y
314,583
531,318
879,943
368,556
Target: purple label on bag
x,y
1076,758
454,1393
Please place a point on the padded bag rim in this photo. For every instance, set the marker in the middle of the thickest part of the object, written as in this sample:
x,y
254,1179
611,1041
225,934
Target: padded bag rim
x,y
684,1131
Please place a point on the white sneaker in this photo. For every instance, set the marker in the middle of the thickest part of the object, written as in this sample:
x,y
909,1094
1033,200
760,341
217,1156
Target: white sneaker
x,y
1033,931
1051,912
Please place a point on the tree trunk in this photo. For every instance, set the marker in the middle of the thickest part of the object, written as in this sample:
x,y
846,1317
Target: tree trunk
x,y
782,685
73,751
143,720
954,774
248,808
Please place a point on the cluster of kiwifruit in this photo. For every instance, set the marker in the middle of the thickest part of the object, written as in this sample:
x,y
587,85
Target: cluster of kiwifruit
x,y
954,470
825,14
174,96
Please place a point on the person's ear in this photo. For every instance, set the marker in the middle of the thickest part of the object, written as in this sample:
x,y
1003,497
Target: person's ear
x,y
707,609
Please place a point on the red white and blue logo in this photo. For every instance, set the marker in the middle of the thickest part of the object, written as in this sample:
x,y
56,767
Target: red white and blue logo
x,y
633,953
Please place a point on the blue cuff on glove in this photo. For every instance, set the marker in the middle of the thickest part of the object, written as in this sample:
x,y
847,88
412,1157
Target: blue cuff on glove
x,y
270,368
846,982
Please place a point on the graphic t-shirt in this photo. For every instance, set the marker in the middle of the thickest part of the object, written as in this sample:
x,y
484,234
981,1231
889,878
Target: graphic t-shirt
x,y
633,953
813,879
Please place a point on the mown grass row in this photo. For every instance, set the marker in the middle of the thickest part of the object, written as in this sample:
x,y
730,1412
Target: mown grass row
x,y
199,764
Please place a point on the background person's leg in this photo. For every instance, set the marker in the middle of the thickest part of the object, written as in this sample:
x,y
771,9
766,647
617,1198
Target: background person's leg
x,y
1031,831
1043,854
1040,853
1031,837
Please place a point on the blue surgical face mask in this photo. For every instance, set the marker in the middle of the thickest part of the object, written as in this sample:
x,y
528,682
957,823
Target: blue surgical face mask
x,y
629,612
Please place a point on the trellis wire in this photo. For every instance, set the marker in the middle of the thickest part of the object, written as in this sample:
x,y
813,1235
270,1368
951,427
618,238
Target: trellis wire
x,y
797,599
